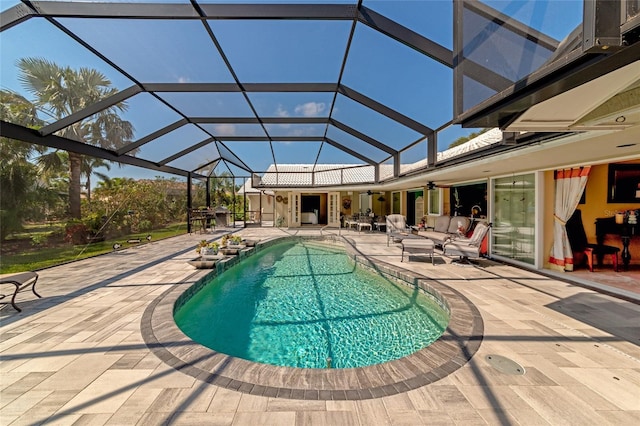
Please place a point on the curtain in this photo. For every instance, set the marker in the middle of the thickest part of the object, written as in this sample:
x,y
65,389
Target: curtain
x,y
570,184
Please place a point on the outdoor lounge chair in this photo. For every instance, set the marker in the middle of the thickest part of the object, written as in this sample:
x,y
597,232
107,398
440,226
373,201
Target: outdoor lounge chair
x,y
21,281
396,227
469,247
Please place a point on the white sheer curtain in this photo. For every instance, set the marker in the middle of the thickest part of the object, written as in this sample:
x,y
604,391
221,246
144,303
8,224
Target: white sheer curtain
x,y
570,184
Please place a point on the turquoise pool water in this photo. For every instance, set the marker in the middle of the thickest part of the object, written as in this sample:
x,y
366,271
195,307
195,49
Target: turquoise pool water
x,y
298,303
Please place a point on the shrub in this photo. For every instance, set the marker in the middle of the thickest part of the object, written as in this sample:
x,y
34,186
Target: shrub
x,y
76,233
38,239
145,225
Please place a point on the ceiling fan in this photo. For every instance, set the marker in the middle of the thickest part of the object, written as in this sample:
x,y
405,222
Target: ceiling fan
x,y
432,185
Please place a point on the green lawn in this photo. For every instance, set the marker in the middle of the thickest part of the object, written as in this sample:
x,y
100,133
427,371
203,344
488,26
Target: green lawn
x,y
39,258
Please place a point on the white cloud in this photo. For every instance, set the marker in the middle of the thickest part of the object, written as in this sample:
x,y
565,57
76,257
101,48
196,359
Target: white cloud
x,y
226,129
310,109
281,112
183,79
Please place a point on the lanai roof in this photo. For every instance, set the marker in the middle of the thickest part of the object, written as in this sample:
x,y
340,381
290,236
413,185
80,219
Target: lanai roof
x,y
365,86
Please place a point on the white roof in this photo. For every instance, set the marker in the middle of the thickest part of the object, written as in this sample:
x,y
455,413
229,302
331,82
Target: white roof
x,y
340,174
324,174
247,188
487,138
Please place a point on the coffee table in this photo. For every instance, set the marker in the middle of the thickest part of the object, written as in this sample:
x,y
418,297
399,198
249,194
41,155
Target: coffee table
x,y
419,246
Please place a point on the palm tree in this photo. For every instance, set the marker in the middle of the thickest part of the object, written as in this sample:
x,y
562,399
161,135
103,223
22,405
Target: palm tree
x,y
18,177
88,166
61,91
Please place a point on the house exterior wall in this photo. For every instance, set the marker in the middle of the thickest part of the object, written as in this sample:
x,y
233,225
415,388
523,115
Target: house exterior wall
x,y
262,203
595,206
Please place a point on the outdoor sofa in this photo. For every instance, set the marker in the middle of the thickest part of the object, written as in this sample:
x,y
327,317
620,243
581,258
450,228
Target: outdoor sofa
x,y
446,228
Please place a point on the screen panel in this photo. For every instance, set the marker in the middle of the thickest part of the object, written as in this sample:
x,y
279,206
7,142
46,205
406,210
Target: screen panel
x,y
499,43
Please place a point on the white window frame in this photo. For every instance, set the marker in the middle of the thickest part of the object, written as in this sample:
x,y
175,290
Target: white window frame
x,y
440,202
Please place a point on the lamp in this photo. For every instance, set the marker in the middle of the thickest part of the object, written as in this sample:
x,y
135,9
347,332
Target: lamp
x,y
476,210
431,185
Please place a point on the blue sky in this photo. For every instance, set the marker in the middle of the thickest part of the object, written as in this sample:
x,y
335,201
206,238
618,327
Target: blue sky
x,y
274,51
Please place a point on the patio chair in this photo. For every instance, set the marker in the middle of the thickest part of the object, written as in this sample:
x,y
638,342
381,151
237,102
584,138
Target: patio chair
x,y
364,221
467,248
351,221
396,227
21,282
379,223
582,249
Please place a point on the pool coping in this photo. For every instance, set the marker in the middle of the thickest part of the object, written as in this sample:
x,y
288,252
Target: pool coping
x,y
451,351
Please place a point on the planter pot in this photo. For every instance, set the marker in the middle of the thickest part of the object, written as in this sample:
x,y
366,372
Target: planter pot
x,y
228,251
207,252
204,263
250,243
235,246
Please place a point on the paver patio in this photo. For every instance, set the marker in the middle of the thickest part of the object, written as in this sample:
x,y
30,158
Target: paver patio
x,y
78,355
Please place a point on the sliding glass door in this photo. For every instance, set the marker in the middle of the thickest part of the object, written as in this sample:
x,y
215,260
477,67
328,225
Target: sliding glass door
x,y
513,230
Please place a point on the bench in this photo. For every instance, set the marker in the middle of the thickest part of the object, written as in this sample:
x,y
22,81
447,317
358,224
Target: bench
x,y
21,281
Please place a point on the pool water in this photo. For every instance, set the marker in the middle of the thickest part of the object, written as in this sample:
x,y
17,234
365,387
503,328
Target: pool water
x,y
298,303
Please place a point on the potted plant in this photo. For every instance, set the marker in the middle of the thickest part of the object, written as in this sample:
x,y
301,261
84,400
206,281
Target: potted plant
x,y
212,248
236,240
202,244
207,249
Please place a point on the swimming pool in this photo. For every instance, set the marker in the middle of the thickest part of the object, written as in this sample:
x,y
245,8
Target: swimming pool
x,y
299,303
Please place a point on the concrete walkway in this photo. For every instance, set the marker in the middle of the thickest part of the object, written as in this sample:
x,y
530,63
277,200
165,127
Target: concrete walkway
x,y
77,356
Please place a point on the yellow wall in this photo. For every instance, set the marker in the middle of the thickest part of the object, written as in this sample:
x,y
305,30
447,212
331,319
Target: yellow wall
x,y
446,207
380,207
596,206
281,208
344,196
596,199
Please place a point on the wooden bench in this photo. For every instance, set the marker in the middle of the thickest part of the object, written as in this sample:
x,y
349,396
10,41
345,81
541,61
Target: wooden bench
x,y
21,281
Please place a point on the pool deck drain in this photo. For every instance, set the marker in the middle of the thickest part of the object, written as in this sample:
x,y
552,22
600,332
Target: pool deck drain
x,y
452,350
505,365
